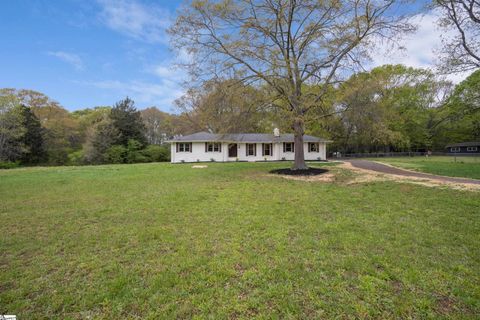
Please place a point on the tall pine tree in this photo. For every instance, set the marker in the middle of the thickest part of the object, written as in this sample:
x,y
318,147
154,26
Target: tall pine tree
x,y
33,139
128,121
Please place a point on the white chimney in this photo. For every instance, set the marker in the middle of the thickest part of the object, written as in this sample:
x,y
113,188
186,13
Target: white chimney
x,y
276,132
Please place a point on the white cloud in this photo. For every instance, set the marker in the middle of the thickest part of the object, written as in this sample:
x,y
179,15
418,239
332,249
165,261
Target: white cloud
x,y
172,78
172,69
161,90
168,70
70,58
136,20
164,71
419,50
158,94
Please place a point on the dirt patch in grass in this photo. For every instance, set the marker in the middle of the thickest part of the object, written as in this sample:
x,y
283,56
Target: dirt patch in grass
x,y
366,176
307,172
445,305
309,175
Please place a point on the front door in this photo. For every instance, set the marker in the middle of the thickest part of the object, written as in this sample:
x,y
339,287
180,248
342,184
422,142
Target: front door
x,y
232,150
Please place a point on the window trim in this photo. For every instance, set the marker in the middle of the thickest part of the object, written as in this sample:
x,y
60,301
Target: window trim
x,y
181,147
247,145
215,147
455,149
285,147
472,149
270,149
317,147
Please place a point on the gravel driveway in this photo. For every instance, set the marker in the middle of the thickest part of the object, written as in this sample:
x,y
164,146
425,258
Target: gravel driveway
x,y
382,168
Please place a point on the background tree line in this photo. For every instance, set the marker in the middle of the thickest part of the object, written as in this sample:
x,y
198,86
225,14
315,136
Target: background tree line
x,y
35,130
390,108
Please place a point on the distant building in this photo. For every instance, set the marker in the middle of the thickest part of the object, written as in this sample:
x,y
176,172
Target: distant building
x,y
464,147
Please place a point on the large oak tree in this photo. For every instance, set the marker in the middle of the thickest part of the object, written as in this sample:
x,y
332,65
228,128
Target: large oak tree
x,y
284,45
462,51
225,107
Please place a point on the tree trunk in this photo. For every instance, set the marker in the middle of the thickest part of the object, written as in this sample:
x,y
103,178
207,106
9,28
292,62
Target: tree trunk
x,y
298,128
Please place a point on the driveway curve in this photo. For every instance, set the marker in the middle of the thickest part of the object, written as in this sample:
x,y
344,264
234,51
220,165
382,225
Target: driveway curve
x,y
382,168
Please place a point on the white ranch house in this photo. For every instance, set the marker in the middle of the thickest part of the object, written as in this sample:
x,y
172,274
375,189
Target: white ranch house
x,y
204,146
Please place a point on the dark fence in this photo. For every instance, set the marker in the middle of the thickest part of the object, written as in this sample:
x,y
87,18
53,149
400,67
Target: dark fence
x,y
339,155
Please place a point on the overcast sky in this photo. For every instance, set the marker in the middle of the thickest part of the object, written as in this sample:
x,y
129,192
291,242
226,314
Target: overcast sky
x,y
88,53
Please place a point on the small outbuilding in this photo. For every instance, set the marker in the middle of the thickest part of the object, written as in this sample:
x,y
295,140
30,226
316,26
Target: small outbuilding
x,y
464,147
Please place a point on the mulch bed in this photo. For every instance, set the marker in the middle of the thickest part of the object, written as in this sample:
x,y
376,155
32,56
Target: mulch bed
x,y
306,172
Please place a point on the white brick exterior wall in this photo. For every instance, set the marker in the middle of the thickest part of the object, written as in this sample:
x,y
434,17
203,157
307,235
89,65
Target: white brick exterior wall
x,y
198,153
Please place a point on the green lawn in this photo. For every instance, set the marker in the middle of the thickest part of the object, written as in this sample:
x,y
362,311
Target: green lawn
x,y
467,167
153,241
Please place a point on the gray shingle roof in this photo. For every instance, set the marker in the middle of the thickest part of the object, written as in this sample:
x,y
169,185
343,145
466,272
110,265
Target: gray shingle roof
x,y
243,137
464,144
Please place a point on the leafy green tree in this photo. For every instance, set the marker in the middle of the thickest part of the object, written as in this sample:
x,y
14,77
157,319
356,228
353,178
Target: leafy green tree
x,y
458,120
127,120
158,125
100,138
61,135
87,118
387,109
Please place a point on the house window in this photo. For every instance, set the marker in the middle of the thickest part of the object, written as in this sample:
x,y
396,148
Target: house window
x,y
251,149
313,147
288,147
184,147
213,147
472,148
455,149
267,149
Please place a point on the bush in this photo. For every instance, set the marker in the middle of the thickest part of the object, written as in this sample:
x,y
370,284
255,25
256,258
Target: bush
x,y
135,152
9,164
156,153
116,154
58,157
76,158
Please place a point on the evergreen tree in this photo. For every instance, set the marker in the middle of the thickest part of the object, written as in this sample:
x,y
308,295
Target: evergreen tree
x,y
11,129
33,138
128,121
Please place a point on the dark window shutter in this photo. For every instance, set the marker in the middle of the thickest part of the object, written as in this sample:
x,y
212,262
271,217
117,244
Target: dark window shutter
x,y
271,149
263,149
284,147
191,147
219,147
246,149
206,146
176,146
293,146
255,149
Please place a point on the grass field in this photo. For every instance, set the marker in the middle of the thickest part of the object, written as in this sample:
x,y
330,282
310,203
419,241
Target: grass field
x,y
466,167
153,241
